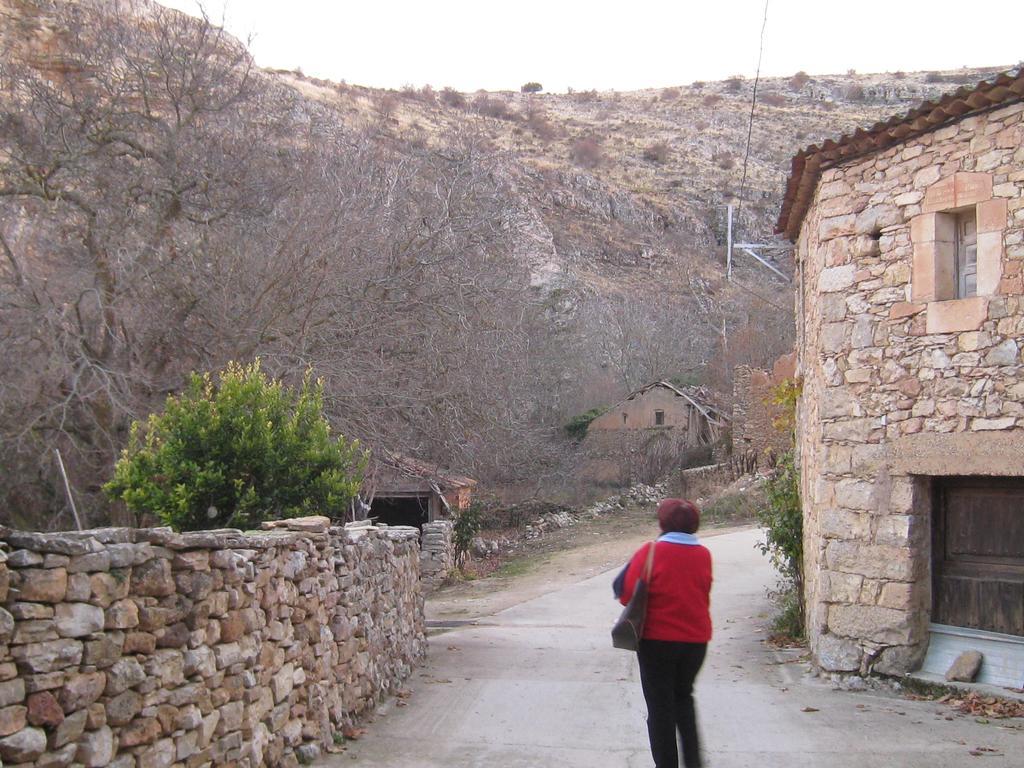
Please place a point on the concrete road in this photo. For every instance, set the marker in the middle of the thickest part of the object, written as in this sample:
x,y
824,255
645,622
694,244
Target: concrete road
x,y
539,686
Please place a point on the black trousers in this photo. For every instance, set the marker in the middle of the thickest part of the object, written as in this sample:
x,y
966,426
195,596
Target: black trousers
x,y
667,672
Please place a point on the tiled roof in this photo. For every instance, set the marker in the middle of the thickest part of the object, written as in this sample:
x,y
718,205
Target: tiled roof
x,y
808,164
700,398
416,468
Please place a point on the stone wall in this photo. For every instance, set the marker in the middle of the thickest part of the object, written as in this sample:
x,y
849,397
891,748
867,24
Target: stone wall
x,y
142,648
437,552
896,389
696,482
625,457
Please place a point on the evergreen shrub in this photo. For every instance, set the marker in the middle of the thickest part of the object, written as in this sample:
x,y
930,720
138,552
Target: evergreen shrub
x,y
235,451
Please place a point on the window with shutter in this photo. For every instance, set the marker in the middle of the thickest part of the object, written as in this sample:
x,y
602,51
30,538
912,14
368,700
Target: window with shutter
x,y
966,254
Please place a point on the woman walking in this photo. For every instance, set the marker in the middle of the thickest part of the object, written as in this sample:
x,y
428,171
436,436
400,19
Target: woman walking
x,y
676,631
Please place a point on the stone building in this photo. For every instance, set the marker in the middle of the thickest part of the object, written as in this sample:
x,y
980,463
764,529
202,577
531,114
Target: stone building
x,y
759,435
654,429
910,246
688,410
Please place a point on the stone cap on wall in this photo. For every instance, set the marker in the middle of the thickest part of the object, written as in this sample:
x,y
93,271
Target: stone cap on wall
x,y
281,532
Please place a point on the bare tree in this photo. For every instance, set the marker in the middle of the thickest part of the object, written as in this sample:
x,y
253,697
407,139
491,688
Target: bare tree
x,y
639,337
116,163
164,208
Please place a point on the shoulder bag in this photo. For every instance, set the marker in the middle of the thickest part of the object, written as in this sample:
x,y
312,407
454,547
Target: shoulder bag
x,y
629,628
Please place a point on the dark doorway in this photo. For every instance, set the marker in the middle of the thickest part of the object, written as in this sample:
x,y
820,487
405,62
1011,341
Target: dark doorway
x,y
978,554
401,510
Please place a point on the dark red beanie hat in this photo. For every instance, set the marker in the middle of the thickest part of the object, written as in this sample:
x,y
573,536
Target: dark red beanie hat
x,y
678,515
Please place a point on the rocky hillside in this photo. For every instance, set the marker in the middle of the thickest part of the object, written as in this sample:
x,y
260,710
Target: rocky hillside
x,y
625,195
634,183
619,190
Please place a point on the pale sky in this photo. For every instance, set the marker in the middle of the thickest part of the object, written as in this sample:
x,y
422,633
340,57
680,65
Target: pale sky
x,y
621,45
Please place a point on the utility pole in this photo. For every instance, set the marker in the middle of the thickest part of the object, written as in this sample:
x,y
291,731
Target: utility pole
x,y
728,245
751,250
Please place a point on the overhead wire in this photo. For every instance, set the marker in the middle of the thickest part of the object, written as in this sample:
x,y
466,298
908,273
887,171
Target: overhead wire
x,y
753,105
757,295
746,152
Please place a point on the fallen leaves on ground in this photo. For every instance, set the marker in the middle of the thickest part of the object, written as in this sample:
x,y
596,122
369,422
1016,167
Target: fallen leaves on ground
x,y
783,641
351,732
984,752
973,703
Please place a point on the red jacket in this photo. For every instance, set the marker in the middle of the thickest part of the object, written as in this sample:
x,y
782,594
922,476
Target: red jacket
x,y
679,594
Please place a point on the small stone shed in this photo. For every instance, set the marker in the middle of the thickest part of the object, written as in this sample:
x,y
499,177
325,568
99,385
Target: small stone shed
x,y
910,308
407,491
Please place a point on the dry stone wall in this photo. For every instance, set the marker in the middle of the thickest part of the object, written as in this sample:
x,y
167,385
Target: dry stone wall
x,y
891,396
437,552
143,648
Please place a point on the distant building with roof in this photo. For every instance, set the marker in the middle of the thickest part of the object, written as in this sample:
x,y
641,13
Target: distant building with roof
x,y
650,432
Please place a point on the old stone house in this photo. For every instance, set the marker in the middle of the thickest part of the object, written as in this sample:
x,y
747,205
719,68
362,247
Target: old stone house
x,y
651,431
910,245
664,405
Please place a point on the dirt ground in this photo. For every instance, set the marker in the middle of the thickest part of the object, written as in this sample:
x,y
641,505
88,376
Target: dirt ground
x,y
561,557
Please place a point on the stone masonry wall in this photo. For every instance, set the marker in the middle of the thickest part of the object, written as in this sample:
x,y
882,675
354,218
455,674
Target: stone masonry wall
x,y
898,389
143,648
437,552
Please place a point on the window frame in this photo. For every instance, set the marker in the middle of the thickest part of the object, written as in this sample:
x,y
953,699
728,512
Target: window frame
x,y
965,254
934,283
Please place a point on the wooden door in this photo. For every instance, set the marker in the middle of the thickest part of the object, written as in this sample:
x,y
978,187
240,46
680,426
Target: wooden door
x,y
978,554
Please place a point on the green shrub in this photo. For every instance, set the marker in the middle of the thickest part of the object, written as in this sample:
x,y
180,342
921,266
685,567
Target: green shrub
x,y
782,519
788,621
467,525
577,426
532,87
236,451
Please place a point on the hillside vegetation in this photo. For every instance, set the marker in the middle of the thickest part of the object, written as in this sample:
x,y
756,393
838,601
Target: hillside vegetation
x,y
464,271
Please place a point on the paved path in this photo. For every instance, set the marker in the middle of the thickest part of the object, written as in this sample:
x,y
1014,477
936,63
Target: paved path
x,y
538,686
